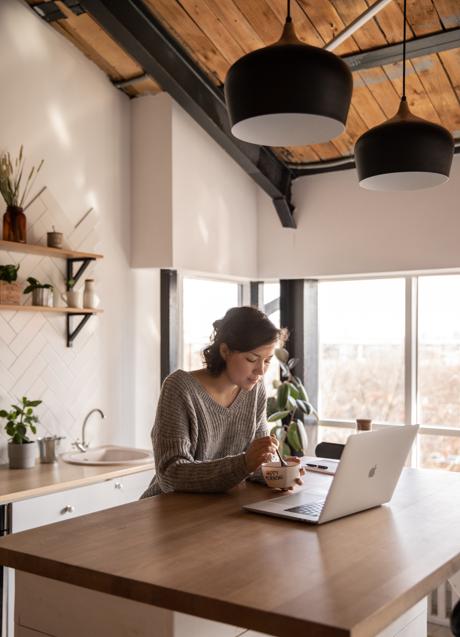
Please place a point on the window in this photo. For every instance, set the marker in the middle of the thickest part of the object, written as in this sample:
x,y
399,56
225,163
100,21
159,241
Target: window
x,y
271,305
204,301
365,340
361,350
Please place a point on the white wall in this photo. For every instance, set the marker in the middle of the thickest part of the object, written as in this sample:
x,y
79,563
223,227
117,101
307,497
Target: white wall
x,y
193,207
345,230
64,109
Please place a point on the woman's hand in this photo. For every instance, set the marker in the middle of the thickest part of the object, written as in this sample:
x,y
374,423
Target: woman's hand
x,y
260,450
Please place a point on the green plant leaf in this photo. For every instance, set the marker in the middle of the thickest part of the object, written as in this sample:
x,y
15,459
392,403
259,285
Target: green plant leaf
x,y
278,415
277,431
293,437
282,395
272,405
33,428
34,403
3,413
293,390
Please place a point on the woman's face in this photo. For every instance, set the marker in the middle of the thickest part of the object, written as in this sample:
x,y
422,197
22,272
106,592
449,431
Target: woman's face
x,y
245,369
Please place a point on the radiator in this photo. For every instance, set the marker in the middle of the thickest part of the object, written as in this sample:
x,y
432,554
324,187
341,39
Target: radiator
x,y
440,604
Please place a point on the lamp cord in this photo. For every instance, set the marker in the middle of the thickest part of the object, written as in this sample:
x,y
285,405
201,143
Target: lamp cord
x,y
288,17
404,52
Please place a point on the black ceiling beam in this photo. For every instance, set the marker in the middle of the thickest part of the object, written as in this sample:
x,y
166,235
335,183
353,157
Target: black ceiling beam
x,y
141,35
425,45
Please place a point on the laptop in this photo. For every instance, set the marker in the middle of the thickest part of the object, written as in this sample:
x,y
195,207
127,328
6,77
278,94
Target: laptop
x,y
366,477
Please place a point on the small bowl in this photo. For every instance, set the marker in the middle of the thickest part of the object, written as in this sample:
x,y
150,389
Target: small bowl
x,y
278,477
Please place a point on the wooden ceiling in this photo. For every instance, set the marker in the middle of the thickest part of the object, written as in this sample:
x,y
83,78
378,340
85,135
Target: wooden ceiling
x,y
217,32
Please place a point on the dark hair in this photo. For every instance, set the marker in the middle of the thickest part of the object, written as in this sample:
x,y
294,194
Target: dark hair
x,y
242,329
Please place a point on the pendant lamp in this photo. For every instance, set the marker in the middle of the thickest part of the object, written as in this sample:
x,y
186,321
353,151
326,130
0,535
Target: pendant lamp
x,y
405,152
288,93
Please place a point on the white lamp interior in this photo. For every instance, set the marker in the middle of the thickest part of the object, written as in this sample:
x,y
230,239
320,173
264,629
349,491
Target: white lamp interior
x,y
287,129
403,181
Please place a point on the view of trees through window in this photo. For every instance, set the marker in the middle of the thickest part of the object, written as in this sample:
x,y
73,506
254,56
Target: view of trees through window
x,y
361,350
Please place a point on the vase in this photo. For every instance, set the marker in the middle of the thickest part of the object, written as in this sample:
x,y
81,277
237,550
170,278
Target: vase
x,y
90,298
15,225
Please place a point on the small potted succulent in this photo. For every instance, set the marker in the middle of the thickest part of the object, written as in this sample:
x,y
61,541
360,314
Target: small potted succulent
x,y
289,407
10,290
21,450
41,292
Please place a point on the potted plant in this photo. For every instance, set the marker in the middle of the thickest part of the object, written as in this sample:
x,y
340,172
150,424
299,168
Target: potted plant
x,y
73,298
10,290
40,291
289,406
21,450
15,192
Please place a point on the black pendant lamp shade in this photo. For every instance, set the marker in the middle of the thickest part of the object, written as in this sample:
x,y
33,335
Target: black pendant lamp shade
x,y
288,93
404,153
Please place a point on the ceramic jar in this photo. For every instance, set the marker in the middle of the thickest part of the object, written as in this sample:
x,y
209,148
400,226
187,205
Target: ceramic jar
x,y
90,298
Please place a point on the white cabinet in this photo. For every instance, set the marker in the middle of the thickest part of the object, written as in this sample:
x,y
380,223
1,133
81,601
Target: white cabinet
x,y
56,507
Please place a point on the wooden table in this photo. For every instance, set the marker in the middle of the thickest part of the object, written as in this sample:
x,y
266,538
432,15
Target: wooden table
x,y
202,555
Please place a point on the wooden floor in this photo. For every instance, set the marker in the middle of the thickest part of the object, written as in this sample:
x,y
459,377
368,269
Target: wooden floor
x,y
438,631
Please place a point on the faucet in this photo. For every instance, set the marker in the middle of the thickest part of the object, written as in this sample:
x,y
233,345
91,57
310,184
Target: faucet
x,y
83,445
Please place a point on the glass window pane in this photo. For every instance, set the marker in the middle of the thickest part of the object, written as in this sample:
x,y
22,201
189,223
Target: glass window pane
x,y
361,350
439,452
271,294
439,350
204,301
334,434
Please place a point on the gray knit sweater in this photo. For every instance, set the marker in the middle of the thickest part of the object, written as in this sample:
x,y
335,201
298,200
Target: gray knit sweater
x,y
199,445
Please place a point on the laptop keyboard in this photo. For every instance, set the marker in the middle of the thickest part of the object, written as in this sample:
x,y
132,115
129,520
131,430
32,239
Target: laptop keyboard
x,y
313,509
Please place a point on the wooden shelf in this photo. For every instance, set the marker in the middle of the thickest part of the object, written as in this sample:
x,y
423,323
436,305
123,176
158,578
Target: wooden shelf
x,y
45,308
60,253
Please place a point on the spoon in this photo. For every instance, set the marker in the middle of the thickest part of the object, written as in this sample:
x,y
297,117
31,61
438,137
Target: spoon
x,y
282,460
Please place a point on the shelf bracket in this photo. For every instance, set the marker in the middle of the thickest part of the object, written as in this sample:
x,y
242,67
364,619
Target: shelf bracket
x,y
85,261
72,335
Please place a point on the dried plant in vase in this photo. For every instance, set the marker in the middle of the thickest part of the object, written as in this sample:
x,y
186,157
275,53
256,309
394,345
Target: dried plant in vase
x,y
15,189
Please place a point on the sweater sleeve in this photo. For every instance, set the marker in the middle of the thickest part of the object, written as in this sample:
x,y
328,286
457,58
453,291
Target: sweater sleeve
x,y
172,434
261,427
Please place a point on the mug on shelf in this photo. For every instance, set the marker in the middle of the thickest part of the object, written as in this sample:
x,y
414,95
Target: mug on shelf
x,y
73,298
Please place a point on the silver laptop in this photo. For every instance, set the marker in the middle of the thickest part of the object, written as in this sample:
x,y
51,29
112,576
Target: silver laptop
x,y
366,477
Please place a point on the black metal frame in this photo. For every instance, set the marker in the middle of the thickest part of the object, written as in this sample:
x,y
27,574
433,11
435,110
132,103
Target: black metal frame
x,y
169,313
85,261
143,37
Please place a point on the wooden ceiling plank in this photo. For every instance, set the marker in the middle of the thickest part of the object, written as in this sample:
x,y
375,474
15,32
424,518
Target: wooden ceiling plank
x,y
304,27
262,18
383,91
437,85
97,45
448,12
191,37
328,23
369,35
417,99
451,62
422,16
367,106
235,22
214,29
390,20
297,155
325,151
145,87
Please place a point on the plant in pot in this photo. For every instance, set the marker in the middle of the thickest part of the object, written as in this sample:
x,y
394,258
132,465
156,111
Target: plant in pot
x,y
288,408
73,298
21,450
10,290
41,292
15,192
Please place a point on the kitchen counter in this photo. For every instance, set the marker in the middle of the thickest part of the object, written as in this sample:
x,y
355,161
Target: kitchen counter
x,y
202,555
21,484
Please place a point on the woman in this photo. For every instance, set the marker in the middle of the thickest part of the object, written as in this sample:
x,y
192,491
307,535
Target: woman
x,y
210,431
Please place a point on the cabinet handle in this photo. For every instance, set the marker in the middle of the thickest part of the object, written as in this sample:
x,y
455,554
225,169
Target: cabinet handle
x,y
118,485
68,509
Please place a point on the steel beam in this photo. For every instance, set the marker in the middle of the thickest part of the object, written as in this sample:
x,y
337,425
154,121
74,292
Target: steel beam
x,y
425,45
143,37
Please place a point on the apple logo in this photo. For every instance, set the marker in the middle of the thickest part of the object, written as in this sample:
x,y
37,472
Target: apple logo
x,y
372,471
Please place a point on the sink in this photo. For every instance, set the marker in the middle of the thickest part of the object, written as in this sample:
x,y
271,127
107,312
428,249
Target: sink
x,y
109,454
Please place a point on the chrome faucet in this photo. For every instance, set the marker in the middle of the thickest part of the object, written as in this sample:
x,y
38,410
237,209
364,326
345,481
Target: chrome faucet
x,y
83,445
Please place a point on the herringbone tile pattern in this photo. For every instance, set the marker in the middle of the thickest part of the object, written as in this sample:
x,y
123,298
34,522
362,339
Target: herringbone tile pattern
x,y
34,359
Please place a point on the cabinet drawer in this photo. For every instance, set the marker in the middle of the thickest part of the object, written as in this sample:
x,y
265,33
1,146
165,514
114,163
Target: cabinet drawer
x,y
127,488
56,507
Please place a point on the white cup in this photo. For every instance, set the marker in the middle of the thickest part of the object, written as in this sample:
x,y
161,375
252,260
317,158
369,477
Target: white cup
x,y
73,298
278,477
